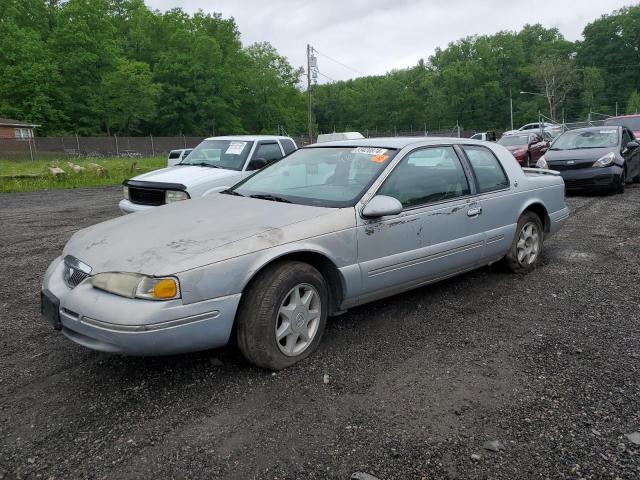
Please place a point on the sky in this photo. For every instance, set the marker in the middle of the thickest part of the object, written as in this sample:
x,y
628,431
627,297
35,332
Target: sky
x,y
371,37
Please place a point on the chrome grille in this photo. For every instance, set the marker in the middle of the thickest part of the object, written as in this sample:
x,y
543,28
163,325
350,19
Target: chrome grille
x,y
74,271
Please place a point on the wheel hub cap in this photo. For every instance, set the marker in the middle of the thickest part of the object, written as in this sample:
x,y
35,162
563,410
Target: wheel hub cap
x,y
528,245
298,319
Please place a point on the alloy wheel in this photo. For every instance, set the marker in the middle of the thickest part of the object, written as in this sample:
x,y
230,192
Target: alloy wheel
x,y
298,319
528,245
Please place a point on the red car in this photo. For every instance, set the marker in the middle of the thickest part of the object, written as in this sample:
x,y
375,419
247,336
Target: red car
x,y
527,148
632,122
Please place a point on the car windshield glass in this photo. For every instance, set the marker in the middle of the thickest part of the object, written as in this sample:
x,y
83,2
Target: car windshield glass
x,y
512,140
321,176
227,154
573,140
632,123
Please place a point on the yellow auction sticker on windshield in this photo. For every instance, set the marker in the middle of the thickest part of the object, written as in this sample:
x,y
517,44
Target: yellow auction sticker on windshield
x,y
369,150
379,158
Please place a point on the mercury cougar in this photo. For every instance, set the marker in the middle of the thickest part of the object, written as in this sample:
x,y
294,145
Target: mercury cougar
x,y
329,227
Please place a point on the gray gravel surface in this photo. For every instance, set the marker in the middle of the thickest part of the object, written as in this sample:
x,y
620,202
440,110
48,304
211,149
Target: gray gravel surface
x,y
547,365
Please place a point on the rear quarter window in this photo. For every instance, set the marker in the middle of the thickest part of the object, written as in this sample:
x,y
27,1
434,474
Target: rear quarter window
x,y
174,154
487,169
288,146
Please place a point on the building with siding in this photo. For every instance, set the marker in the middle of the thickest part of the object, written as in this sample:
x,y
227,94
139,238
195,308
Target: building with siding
x,y
16,129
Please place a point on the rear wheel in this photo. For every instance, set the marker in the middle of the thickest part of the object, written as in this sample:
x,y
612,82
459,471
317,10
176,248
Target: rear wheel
x,y
282,315
526,248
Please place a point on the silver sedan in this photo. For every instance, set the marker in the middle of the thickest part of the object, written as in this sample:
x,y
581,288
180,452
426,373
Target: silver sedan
x,y
327,228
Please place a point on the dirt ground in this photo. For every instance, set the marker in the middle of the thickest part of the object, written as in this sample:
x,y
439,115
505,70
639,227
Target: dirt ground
x,y
547,364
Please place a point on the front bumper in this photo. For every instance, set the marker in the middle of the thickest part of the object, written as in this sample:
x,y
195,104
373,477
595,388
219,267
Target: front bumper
x,y
110,323
592,179
126,206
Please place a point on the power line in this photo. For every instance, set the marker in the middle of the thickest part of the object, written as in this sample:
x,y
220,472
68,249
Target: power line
x,y
327,76
339,63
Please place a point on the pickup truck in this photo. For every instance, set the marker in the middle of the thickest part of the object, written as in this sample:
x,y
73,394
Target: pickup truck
x,y
216,164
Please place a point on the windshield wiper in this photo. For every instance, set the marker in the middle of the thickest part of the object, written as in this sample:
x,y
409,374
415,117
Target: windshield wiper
x,y
232,192
273,198
201,164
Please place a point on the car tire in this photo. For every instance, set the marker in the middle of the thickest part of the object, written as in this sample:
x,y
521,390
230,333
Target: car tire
x,y
526,247
623,181
271,308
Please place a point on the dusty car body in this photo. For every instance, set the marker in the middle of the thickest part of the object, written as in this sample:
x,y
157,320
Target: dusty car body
x,y
253,255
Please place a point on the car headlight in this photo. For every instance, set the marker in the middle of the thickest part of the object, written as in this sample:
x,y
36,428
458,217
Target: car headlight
x,y
135,285
175,196
605,161
125,192
542,163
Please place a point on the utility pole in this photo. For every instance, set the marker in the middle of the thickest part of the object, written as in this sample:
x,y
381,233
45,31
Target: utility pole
x,y
309,126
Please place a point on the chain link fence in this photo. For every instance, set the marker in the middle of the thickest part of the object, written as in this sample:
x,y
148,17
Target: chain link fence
x,y
44,148
74,146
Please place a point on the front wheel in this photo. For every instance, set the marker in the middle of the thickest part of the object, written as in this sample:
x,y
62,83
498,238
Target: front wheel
x,y
282,315
526,247
623,181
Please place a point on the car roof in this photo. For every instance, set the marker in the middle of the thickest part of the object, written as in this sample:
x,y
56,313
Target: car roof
x,y
395,142
248,137
590,129
633,115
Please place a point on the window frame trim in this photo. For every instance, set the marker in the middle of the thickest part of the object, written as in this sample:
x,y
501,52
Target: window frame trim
x,y
476,181
465,170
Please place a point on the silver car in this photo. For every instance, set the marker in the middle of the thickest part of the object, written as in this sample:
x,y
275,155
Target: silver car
x,y
327,228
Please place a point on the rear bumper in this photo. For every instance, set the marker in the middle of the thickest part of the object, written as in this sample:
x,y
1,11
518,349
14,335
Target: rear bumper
x,y
127,206
592,179
557,220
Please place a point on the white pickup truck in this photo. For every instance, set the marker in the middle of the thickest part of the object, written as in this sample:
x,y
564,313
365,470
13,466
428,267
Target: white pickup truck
x,y
214,165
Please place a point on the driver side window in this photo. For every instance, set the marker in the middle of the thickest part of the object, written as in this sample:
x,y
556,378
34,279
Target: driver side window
x,y
425,176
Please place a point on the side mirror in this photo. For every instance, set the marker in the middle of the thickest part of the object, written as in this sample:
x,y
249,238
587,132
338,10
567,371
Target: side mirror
x,y
257,164
632,145
380,206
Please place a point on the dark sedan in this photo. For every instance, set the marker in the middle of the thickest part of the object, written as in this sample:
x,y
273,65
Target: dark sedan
x,y
527,147
595,158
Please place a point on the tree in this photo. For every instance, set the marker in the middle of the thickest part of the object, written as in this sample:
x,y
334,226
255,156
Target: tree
x,y
129,97
633,105
556,78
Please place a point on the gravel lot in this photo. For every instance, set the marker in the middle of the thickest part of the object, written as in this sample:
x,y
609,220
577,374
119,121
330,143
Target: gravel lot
x,y
548,364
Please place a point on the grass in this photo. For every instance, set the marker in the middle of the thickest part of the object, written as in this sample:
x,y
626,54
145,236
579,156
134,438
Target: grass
x,y
27,175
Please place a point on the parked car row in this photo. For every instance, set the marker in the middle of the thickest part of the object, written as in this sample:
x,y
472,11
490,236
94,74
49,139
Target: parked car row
x,y
264,251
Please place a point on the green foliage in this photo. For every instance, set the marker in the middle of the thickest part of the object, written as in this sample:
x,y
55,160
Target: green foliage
x,y
97,67
633,105
26,176
114,66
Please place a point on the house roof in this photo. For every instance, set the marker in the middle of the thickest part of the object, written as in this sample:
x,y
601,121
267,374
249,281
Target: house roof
x,y
8,122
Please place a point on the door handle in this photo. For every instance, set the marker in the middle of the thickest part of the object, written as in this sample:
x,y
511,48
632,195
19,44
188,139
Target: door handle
x,y
474,212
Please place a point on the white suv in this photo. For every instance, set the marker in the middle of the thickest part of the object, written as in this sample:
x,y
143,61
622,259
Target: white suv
x,y
215,165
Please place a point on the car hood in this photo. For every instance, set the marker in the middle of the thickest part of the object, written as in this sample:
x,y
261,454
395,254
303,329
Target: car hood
x,y
586,154
186,235
186,174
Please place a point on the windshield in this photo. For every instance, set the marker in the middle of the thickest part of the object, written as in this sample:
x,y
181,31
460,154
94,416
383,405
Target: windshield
x,y
573,140
227,154
632,123
320,176
513,140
